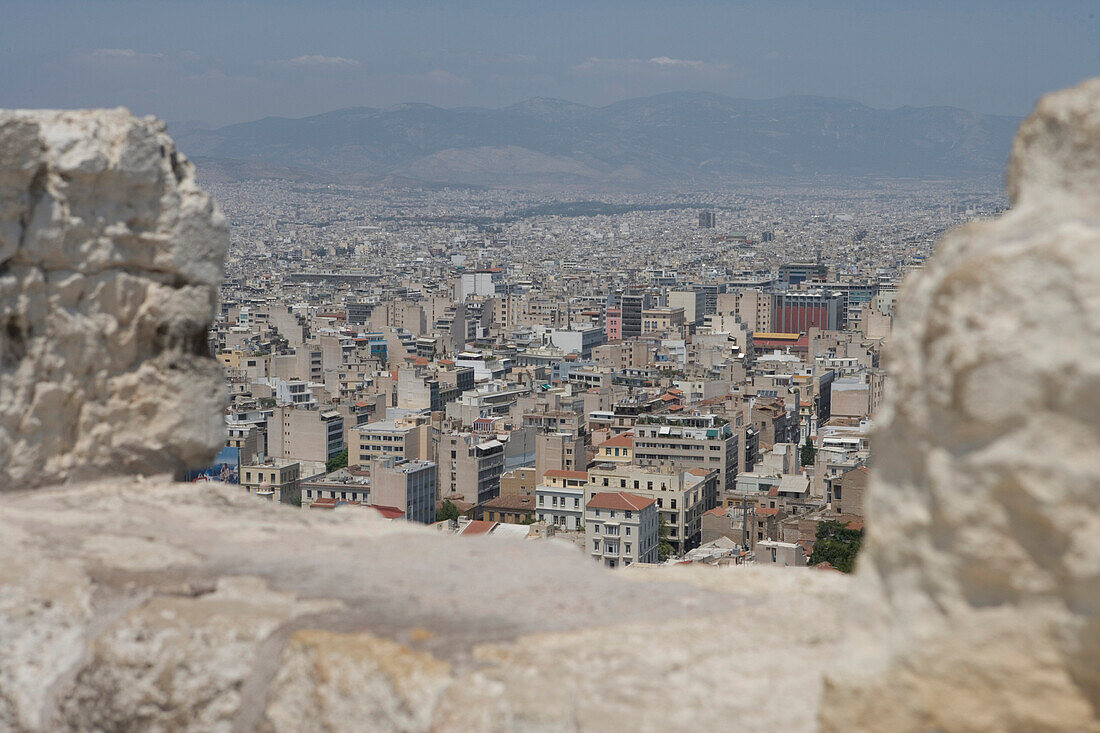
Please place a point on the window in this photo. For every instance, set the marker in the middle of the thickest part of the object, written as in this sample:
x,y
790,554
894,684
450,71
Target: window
x,y
673,505
576,503
595,544
628,547
628,514
612,513
595,529
628,531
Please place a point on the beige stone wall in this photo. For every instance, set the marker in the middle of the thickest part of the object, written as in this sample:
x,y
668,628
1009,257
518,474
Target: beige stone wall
x,y
110,257
977,605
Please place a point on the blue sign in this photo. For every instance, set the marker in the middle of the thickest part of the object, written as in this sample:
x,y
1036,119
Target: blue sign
x,y
225,469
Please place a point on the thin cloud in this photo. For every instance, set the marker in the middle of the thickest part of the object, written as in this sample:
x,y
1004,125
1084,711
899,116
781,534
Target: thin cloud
x,y
317,61
596,65
127,55
677,63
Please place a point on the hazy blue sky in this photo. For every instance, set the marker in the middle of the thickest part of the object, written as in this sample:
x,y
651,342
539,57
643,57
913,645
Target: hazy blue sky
x,y
231,61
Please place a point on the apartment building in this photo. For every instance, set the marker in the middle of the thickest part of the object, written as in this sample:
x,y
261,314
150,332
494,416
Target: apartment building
x,y
621,528
421,389
349,485
304,434
276,479
559,451
470,465
696,441
619,449
558,499
659,320
407,437
408,485
681,496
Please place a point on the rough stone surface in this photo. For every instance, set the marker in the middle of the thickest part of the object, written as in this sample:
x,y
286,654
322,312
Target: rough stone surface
x,y
978,594
162,606
110,256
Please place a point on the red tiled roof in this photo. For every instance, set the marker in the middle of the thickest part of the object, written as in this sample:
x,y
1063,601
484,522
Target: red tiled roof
x,y
767,511
389,512
478,526
618,500
626,440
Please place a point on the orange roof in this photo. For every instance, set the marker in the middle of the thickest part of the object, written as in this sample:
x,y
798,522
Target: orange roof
x,y
698,471
478,526
767,511
619,500
557,473
389,512
626,440
420,361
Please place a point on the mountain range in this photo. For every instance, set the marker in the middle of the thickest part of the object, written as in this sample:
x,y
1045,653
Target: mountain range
x,y
670,138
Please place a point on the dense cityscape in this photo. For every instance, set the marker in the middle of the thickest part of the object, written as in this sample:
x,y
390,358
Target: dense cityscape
x,y
703,366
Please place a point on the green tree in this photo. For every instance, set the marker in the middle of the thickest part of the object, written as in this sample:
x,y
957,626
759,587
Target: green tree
x,y
664,547
447,510
340,460
837,545
808,452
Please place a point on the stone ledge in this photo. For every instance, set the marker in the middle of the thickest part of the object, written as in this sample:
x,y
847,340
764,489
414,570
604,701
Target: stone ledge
x,y
194,605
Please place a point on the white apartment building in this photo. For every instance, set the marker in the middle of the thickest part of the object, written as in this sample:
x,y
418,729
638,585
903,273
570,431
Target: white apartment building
x,y
681,496
559,497
621,528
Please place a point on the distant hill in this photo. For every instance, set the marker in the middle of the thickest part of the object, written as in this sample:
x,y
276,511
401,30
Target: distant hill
x,y
670,138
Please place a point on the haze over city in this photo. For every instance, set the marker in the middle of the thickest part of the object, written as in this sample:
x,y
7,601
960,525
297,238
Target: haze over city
x,y
225,62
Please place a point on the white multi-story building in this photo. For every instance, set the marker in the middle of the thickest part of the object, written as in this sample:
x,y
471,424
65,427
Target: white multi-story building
x,y
621,528
681,496
559,497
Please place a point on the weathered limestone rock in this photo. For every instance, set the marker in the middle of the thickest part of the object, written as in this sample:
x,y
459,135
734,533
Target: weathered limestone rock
x,y
978,595
149,605
110,257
